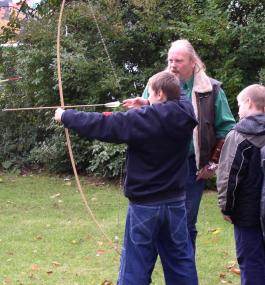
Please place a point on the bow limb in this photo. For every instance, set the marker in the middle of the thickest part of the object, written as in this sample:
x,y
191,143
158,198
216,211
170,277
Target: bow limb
x,y
87,207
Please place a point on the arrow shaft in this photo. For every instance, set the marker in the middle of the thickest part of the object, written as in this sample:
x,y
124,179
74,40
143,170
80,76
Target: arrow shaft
x,y
50,107
4,80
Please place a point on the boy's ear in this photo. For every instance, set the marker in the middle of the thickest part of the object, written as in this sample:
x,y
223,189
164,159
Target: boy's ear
x,y
249,102
162,96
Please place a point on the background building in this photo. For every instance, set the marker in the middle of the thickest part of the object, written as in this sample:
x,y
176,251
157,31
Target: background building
x,y
7,6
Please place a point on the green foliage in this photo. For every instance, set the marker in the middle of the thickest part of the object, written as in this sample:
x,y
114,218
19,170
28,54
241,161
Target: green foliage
x,y
107,159
15,146
228,35
262,76
98,158
51,152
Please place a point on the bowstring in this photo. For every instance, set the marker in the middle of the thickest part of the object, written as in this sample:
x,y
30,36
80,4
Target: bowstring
x,y
119,87
104,44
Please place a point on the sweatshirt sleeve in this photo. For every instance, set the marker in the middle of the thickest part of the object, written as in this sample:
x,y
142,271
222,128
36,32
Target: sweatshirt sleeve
x,y
116,127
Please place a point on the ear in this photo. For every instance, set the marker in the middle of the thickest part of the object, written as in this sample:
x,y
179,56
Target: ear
x,y
249,103
192,63
161,96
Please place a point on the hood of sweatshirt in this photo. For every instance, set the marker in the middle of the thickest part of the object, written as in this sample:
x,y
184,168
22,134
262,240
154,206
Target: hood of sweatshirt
x,y
253,127
177,116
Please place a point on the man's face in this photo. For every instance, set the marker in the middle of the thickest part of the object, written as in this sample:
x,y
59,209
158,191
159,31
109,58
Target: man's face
x,y
180,63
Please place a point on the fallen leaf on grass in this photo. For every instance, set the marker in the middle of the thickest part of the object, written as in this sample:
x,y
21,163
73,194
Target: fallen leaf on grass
x,y
100,252
38,237
235,270
106,282
222,276
7,281
35,267
232,267
214,231
55,195
56,263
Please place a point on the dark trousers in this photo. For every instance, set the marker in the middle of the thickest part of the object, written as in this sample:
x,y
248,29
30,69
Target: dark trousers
x,y
250,250
157,229
194,190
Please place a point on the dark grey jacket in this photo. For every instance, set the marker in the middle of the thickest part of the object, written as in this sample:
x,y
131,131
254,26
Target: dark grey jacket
x,y
240,175
262,200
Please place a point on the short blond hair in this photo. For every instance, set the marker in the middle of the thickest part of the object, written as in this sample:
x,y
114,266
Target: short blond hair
x,y
256,93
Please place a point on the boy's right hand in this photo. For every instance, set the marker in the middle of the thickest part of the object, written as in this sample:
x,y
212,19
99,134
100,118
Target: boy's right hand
x,y
58,115
137,102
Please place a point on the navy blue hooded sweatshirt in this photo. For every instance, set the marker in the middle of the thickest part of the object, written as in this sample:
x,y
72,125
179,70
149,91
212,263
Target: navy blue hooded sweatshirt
x,y
158,139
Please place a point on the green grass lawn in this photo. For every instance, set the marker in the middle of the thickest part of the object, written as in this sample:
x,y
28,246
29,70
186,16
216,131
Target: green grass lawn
x,y
47,237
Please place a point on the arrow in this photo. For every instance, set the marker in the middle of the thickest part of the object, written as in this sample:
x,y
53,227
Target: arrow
x,y
107,105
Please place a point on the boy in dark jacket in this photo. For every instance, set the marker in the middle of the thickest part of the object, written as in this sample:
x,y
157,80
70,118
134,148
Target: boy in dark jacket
x,y
158,138
239,183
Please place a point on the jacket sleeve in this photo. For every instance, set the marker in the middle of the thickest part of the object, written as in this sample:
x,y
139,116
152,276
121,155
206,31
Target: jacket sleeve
x,y
224,119
229,172
116,127
145,93
262,200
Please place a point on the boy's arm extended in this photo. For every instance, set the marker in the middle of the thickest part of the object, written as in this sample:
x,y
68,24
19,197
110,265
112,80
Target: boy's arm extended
x,y
116,127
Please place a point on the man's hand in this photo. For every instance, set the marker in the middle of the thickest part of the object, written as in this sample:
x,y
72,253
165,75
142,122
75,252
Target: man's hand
x,y
137,102
227,218
58,115
206,172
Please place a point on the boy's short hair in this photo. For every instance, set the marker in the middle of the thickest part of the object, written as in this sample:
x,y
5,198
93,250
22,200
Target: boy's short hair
x,y
256,93
166,82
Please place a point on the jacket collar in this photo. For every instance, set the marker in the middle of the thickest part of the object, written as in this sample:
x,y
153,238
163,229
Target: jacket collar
x,y
201,83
